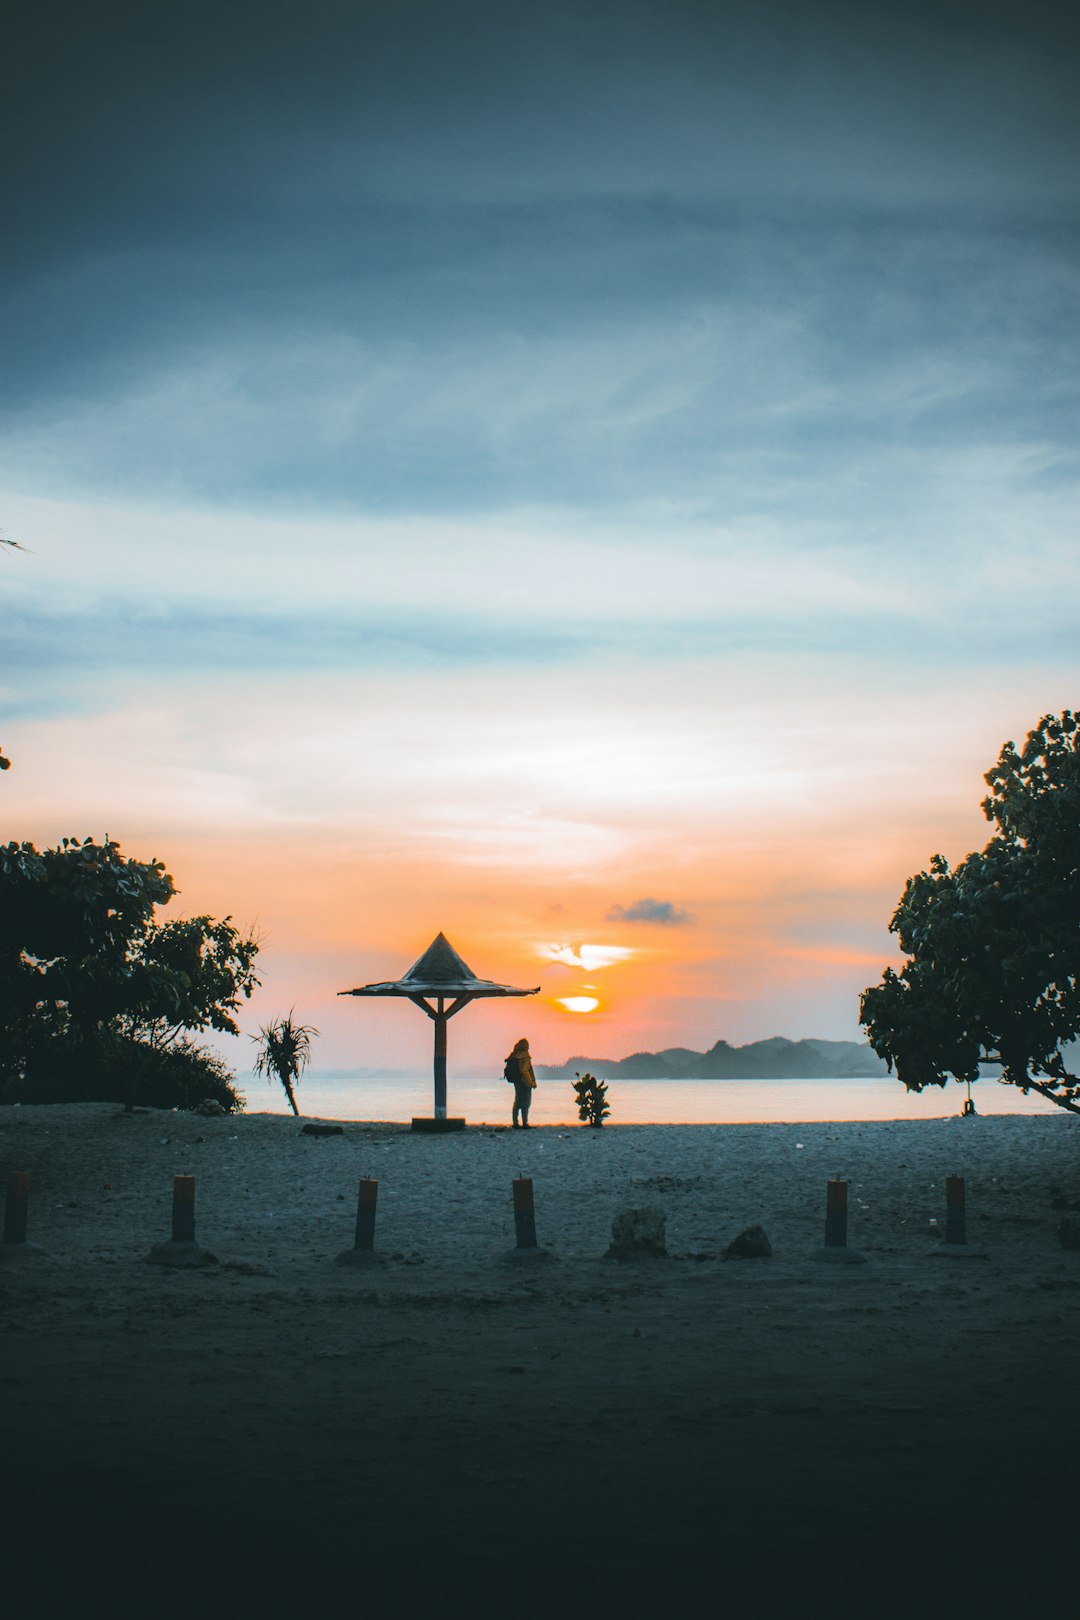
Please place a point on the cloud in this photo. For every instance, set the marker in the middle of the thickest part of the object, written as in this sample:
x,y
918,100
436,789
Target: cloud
x,y
741,370
589,957
650,911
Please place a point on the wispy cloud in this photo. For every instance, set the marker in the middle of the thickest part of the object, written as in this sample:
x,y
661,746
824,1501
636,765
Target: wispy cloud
x,y
591,958
647,910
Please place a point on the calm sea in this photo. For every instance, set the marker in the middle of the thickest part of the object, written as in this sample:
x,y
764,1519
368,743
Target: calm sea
x,y
645,1102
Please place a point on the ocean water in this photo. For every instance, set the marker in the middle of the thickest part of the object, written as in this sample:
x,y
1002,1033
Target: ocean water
x,y
644,1102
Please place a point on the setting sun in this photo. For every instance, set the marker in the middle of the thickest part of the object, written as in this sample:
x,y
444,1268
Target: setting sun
x,y
578,1004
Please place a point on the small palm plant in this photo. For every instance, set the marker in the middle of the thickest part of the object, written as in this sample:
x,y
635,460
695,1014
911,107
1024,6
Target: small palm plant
x,y
284,1053
591,1094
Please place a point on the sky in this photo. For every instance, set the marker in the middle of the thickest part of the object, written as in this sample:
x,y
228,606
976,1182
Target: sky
x,y
598,480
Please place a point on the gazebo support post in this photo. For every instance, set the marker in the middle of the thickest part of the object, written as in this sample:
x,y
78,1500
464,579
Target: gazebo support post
x,y
440,1062
440,1015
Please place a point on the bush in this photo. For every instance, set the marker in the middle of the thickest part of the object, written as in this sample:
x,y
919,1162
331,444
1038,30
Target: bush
x,y
123,1070
591,1096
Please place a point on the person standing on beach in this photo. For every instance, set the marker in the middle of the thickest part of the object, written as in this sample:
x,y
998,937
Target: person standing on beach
x,y
519,1071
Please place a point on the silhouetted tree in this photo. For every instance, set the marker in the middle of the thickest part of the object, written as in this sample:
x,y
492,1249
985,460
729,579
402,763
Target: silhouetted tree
x,y
284,1053
994,944
90,983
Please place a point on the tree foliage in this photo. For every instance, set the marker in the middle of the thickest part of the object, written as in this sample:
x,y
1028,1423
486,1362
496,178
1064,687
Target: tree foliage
x,y
192,974
89,979
994,944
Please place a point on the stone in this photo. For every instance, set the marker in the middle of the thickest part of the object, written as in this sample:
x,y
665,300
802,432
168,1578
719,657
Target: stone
x,y
1069,1231
210,1108
638,1232
751,1244
322,1130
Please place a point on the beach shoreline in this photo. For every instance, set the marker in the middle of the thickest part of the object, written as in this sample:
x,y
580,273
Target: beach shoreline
x,y
659,1101
439,1419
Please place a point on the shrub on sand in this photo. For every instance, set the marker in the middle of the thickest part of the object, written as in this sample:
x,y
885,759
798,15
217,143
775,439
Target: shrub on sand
x,y
591,1095
181,1075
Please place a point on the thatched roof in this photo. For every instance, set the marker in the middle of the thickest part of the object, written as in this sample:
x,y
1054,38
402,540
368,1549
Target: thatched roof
x,y
439,972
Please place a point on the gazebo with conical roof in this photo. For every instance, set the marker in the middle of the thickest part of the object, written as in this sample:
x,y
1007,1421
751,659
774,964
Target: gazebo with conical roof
x,y
441,976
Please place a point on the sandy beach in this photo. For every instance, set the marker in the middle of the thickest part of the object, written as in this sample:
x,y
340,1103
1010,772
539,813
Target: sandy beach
x,y
278,1428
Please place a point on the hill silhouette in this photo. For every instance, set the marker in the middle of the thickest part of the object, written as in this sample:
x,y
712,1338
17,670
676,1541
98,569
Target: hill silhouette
x,y
772,1059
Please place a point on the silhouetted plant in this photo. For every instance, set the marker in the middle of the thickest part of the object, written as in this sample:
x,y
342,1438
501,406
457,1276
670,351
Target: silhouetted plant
x,y
591,1095
284,1053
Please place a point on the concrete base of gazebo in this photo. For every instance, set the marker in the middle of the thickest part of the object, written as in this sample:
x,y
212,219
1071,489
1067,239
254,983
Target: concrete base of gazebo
x,y
438,1126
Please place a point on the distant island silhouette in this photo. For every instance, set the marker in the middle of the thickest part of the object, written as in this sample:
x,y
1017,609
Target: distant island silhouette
x,y
772,1059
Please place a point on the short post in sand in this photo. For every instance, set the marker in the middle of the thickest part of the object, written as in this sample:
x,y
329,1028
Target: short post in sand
x,y
439,976
524,1213
183,1209
182,1249
363,1249
955,1210
956,1246
525,1247
16,1206
835,1249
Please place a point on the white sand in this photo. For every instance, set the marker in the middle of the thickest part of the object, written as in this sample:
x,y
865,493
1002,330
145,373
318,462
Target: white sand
x,y
416,1414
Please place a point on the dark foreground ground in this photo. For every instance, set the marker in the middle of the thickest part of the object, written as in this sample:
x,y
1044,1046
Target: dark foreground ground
x,y
678,1437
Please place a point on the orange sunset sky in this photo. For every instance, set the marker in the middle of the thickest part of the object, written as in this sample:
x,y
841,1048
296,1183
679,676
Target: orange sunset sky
x,y
601,483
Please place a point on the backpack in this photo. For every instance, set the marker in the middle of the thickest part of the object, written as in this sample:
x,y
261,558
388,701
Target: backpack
x,y
512,1070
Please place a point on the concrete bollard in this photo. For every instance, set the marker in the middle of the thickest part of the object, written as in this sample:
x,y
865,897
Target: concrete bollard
x,y
183,1209
182,1249
525,1247
955,1214
365,1213
14,1247
524,1214
836,1213
363,1249
15,1209
835,1249
956,1246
